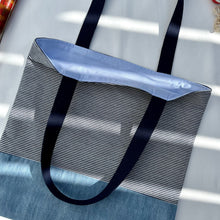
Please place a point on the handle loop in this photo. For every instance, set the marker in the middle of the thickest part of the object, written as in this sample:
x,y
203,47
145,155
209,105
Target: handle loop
x,y
147,124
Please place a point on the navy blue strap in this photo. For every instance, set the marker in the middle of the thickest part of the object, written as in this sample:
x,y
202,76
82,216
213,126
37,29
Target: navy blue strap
x,y
169,45
144,130
64,97
90,23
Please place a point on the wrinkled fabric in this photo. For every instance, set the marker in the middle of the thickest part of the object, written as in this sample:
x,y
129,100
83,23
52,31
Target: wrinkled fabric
x,y
89,66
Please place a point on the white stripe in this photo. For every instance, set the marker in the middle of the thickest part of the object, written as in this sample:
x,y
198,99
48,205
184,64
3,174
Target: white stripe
x,y
15,169
72,121
200,196
199,35
207,143
215,89
4,110
23,114
3,218
12,59
115,128
93,124
114,22
145,27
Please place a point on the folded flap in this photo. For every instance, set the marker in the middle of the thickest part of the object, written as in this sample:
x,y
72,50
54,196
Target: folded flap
x,y
89,66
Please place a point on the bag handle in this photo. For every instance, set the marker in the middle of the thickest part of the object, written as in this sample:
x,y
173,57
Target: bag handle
x,y
145,128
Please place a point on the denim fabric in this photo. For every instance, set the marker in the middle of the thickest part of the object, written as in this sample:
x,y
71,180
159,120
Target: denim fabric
x,y
24,196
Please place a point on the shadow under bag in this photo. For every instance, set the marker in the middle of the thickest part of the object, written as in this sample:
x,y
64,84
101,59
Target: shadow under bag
x,y
93,116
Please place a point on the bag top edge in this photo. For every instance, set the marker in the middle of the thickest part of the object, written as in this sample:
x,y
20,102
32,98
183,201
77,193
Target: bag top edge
x,y
86,65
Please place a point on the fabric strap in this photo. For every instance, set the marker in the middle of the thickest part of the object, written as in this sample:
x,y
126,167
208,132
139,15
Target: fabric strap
x,y
146,126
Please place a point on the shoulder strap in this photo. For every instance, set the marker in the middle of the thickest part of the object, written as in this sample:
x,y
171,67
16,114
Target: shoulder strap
x,y
170,41
90,23
146,127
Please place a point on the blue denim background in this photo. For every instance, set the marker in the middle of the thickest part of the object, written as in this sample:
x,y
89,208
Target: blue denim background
x,y
24,196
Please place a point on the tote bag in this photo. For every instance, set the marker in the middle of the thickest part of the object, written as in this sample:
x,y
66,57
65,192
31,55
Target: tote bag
x,y
100,122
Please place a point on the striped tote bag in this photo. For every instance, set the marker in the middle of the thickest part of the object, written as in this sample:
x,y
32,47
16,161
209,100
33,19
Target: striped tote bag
x,y
91,136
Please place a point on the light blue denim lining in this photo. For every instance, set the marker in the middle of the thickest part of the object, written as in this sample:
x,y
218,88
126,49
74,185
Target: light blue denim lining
x,y
24,196
89,66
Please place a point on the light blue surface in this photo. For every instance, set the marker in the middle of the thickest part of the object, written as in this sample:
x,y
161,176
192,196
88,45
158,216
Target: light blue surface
x,y
89,66
24,196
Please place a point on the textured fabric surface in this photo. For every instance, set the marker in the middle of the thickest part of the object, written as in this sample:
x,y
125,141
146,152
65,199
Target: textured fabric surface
x,y
24,196
98,128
